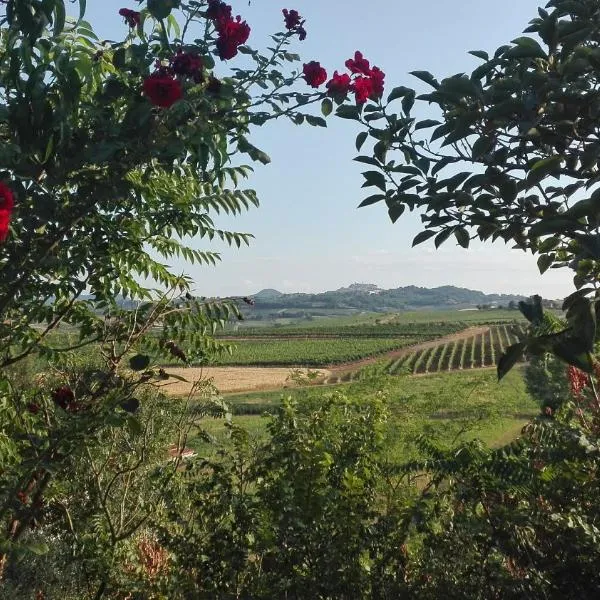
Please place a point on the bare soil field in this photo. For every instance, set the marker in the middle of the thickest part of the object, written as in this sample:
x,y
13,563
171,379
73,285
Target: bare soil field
x,y
234,379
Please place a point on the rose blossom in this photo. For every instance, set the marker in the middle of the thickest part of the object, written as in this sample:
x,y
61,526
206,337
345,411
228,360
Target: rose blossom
x,y
314,74
6,207
186,63
294,23
363,88
358,64
132,17
162,89
339,85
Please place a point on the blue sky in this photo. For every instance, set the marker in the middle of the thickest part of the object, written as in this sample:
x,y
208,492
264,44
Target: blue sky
x,y
309,234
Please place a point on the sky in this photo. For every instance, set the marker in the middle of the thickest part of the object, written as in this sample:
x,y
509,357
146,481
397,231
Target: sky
x,y
309,234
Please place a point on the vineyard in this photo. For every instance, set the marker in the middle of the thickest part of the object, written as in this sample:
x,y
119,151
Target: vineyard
x,y
309,351
477,351
423,331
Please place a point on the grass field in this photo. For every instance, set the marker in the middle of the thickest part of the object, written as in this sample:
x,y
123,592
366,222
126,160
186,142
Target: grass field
x,y
445,406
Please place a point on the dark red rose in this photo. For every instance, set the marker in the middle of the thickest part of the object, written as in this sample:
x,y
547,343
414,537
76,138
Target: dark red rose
x,y
7,204
33,408
358,64
377,77
162,89
22,497
231,35
218,11
292,18
186,63
314,74
294,23
363,89
339,85
63,397
132,17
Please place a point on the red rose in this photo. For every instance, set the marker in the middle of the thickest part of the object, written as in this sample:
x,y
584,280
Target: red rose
x,y
33,408
218,11
6,207
185,63
132,17
292,18
363,89
377,77
231,35
339,85
63,397
294,23
162,89
314,74
358,64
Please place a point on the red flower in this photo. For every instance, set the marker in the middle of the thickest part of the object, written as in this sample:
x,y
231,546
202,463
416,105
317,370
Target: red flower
x,y
162,89
578,380
294,23
185,63
358,64
314,74
33,408
377,77
132,17
339,85
63,397
363,89
6,207
218,11
231,35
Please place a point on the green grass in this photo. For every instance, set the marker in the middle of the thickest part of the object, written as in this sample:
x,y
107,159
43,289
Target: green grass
x,y
446,406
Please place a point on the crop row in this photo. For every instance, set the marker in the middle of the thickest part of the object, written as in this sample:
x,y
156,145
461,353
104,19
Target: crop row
x,y
308,352
389,330
481,350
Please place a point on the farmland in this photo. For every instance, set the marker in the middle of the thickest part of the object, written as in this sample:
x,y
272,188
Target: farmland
x,y
476,351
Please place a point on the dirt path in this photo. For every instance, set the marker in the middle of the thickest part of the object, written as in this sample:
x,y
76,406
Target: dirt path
x,y
342,368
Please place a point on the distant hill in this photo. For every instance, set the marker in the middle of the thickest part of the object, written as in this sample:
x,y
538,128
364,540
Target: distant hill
x,y
266,294
369,297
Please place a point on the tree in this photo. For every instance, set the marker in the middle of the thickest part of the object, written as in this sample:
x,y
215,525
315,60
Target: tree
x,y
113,156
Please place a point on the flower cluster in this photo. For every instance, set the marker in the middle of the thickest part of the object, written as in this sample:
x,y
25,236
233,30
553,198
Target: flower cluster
x,y
232,33
187,64
132,17
294,23
364,81
577,380
6,207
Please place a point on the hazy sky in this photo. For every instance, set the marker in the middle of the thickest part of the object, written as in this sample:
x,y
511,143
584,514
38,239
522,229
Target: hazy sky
x,y
309,234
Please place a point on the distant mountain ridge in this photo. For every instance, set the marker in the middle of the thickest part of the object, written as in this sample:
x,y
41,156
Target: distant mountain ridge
x,y
367,296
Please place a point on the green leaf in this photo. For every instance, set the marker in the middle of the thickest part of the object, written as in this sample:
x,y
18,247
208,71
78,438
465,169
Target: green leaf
x,y
374,178
462,237
139,362
348,111
427,77
360,139
442,236
426,123
408,102
326,107
315,121
509,359
372,200
399,92
161,9
526,47
544,262
480,54
395,211
421,237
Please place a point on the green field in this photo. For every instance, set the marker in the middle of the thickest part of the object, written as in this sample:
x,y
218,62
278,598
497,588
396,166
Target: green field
x,y
309,351
445,406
